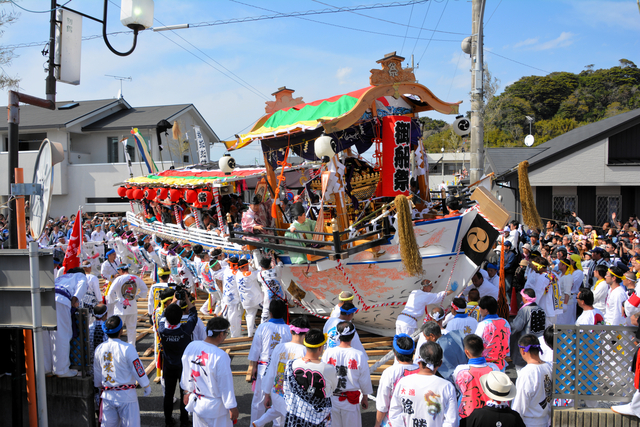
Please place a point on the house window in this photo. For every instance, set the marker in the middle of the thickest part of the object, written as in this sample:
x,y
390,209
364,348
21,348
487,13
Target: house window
x,y
563,206
605,206
114,149
185,158
26,141
624,147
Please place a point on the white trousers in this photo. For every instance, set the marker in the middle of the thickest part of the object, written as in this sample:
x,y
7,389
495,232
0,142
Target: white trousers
x,y
344,414
250,317
61,340
257,402
234,316
130,321
272,414
631,408
223,421
120,414
265,307
405,325
550,320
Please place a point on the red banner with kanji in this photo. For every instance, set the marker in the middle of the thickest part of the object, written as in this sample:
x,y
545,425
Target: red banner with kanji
x,y
72,256
396,156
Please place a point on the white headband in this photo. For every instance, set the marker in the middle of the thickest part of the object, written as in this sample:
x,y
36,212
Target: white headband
x,y
347,331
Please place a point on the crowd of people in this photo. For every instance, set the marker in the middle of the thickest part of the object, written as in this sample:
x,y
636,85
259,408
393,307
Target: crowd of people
x,y
448,370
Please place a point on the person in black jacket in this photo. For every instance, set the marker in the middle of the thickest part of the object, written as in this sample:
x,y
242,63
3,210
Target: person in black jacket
x,y
175,337
500,390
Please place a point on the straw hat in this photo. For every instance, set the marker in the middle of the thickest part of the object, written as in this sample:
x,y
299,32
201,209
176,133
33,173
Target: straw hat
x,y
498,386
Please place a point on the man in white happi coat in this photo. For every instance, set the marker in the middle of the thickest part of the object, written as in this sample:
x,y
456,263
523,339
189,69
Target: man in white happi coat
x,y
534,385
207,379
93,296
267,337
270,278
423,399
250,293
231,298
490,274
565,282
343,297
98,236
483,286
407,321
273,379
116,369
461,320
354,380
347,312
123,295
109,268
403,349
69,289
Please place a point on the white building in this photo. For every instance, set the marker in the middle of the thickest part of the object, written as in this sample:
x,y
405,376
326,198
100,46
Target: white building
x,y
95,162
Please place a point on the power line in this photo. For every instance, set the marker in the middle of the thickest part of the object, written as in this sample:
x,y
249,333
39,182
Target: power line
x,y
429,43
517,62
494,11
407,30
420,33
393,22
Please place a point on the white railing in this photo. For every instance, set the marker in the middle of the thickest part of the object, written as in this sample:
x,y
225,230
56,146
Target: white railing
x,y
175,232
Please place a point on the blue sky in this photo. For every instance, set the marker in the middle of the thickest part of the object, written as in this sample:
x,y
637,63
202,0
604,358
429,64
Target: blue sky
x,y
320,55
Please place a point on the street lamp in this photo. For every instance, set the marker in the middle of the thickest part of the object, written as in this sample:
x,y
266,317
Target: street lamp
x,y
134,14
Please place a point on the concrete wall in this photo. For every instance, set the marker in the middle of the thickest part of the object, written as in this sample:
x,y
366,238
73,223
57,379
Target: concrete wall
x,y
569,417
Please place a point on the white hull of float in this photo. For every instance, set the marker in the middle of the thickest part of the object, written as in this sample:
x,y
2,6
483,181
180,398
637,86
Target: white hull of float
x,y
378,278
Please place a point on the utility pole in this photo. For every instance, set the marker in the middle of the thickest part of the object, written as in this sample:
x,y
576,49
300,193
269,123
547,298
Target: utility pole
x,y
477,92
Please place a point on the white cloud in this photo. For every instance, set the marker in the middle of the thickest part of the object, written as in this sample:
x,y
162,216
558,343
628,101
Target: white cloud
x,y
620,15
527,42
565,39
343,73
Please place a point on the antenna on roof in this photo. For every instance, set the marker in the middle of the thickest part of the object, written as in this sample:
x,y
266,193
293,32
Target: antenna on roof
x,y
121,79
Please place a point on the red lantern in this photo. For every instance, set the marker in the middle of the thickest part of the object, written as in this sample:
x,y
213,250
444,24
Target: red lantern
x,y
138,194
190,196
149,194
162,193
205,197
175,194
129,193
122,191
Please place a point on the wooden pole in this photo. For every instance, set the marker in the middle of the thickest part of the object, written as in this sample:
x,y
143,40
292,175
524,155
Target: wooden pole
x,y
29,361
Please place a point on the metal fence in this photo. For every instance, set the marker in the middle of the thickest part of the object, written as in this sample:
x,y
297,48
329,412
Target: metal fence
x,y
79,349
592,364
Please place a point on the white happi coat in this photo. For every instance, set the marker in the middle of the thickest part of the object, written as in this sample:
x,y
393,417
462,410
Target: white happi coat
x,y
206,374
124,295
116,363
533,395
424,400
387,385
463,322
230,294
613,311
331,329
249,290
109,270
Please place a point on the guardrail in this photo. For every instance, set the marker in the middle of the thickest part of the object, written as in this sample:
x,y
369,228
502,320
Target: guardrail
x,y
591,363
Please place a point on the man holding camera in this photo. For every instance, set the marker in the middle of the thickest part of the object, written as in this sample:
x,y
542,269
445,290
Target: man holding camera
x,y
175,337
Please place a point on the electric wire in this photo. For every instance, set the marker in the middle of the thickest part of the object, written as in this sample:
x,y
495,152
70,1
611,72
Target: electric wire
x,y
237,79
420,32
517,62
455,71
407,30
429,43
37,11
392,22
494,11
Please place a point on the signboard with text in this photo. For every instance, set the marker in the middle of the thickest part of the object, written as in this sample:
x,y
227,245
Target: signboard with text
x,y
396,156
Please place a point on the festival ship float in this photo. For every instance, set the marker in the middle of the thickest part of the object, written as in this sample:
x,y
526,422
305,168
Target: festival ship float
x,y
362,241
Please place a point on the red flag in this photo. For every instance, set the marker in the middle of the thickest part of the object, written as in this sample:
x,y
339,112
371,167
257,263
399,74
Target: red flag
x,y
71,257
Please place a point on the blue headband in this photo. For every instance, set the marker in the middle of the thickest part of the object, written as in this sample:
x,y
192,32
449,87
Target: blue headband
x,y
404,352
495,267
350,311
112,331
526,348
112,251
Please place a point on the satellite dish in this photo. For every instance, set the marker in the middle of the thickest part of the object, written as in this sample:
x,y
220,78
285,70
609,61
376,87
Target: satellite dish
x,y
50,153
528,140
